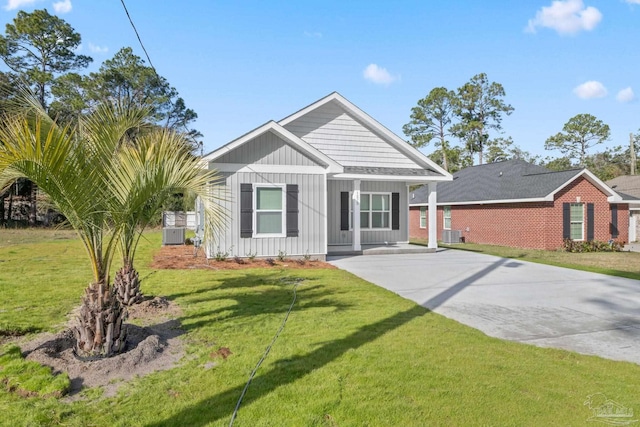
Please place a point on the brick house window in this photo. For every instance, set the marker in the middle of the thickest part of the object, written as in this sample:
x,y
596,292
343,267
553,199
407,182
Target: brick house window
x,y
446,217
577,221
423,217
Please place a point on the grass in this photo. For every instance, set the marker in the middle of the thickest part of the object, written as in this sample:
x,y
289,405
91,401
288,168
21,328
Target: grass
x,y
351,354
621,264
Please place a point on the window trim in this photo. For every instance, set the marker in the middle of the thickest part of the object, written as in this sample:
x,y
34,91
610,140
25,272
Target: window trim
x,y
571,222
282,210
445,217
389,211
423,217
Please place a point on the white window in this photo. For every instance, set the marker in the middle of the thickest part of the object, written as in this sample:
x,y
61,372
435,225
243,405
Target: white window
x,y
269,202
423,217
446,218
375,211
577,221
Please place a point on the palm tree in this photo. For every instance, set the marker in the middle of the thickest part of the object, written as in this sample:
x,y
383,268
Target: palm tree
x,y
106,187
144,176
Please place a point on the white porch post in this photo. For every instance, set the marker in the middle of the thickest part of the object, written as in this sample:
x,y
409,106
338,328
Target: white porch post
x,y
355,200
433,216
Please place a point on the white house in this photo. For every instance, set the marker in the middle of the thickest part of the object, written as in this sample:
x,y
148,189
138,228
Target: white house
x,y
328,179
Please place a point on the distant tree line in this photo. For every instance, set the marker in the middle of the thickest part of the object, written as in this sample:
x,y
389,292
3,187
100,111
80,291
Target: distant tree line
x,y
468,122
39,51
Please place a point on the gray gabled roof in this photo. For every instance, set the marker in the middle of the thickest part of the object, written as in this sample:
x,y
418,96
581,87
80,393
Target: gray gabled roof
x,y
508,181
626,185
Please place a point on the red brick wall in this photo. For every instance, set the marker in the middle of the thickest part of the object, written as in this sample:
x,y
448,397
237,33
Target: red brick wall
x,y
528,225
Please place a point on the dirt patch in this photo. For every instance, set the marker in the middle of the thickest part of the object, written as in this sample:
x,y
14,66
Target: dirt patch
x,y
152,346
183,257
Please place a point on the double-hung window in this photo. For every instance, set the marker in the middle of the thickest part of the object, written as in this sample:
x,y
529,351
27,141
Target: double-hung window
x,y
423,217
269,210
446,218
375,211
577,221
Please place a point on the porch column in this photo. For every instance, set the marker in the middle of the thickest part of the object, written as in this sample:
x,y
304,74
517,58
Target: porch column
x,y
433,216
355,201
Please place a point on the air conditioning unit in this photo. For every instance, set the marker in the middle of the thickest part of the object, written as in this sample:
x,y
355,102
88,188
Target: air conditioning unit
x,y
451,236
173,236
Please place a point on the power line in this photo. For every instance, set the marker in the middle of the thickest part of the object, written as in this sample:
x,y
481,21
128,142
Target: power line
x,y
138,35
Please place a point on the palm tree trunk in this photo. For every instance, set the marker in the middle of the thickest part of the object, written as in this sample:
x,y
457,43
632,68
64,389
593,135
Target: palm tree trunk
x,y
127,285
100,331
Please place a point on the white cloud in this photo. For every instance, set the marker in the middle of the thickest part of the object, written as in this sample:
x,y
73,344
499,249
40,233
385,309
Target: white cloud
x,y
313,34
591,89
633,1
626,94
378,75
566,17
63,6
97,49
18,4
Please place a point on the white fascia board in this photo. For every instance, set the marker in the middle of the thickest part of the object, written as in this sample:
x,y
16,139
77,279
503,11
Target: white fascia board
x,y
313,153
391,138
403,178
612,197
488,202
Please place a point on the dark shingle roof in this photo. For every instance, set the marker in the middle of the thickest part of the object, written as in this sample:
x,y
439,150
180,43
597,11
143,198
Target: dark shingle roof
x,y
629,185
366,170
509,180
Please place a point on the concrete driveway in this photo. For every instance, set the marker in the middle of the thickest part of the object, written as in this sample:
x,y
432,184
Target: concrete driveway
x,y
515,300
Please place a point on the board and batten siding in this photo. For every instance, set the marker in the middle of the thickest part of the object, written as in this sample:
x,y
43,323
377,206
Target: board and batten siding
x,y
338,135
266,149
344,237
311,218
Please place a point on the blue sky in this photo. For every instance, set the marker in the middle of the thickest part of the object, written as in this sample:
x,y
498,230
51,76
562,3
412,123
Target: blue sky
x,y
240,64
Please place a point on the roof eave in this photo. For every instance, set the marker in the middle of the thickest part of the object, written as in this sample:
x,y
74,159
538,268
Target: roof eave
x,y
404,178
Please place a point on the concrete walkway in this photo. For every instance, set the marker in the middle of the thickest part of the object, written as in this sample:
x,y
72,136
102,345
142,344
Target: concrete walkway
x,y
515,300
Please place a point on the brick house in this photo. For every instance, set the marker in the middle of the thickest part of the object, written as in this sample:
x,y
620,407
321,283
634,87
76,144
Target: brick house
x,y
515,203
628,186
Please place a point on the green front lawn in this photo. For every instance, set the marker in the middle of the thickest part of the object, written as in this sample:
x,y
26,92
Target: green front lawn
x,y
351,354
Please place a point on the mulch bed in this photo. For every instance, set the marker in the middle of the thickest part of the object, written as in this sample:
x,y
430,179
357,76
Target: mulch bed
x,y
181,257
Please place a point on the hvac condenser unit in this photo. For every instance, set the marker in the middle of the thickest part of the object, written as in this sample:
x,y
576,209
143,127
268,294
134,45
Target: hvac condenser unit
x,y
451,236
173,236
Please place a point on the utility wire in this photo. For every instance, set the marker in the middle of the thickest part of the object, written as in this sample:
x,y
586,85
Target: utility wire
x,y
264,356
138,35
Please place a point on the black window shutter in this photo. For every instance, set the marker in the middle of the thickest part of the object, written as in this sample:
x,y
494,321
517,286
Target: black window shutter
x,y
246,210
614,222
590,222
395,211
344,210
292,210
566,220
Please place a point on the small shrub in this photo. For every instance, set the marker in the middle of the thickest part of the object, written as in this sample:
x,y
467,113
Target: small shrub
x,y
306,256
270,261
188,241
222,256
281,255
238,260
251,255
301,261
574,246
